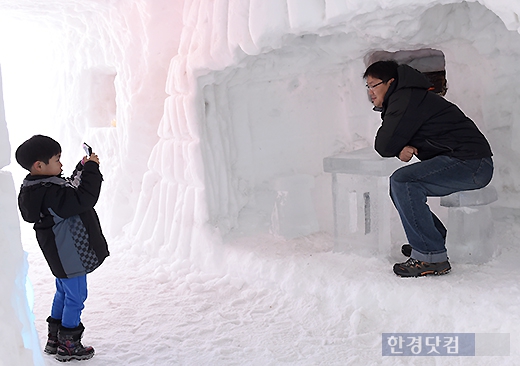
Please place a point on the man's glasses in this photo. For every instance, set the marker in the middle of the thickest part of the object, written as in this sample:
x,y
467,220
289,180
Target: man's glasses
x,y
372,87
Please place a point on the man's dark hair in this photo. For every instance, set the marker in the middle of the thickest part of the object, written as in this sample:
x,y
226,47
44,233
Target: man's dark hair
x,y
384,70
37,148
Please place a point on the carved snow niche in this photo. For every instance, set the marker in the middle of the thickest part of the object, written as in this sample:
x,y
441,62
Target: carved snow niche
x,y
264,160
429,61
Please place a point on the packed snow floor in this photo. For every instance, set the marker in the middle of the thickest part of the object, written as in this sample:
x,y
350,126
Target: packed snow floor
x,y
285,303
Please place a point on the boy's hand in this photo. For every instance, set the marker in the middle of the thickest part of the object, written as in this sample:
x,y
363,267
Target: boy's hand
x,y
93,158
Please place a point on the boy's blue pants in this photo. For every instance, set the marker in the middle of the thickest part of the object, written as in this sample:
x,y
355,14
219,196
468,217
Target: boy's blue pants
x,y
68,301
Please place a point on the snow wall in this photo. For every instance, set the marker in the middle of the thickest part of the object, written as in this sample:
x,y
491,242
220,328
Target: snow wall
x,y
197,109
18,334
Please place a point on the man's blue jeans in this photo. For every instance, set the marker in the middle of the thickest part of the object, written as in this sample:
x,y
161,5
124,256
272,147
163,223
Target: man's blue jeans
x,y
440,176
68,301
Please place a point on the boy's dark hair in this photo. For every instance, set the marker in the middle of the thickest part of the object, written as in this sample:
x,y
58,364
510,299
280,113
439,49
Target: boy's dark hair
x,y
37,148
384,70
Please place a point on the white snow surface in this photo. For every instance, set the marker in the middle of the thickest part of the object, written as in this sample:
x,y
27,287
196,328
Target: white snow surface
x,y
198,111
284,303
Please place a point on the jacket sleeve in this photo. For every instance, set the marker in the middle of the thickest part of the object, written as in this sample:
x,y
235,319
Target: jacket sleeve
x,y
68,201
79,168
400,122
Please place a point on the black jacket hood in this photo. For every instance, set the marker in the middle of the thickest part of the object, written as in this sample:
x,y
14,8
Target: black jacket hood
x,y
408,77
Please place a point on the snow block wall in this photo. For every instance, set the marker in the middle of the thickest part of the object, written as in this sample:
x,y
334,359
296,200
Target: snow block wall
x,y
117,91
18,334
264,90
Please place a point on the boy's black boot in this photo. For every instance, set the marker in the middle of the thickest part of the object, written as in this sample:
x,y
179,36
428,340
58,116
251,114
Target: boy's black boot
x,y
52,341
70,347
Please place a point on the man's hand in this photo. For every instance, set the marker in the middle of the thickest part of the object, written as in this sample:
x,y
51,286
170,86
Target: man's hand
x,y
407,153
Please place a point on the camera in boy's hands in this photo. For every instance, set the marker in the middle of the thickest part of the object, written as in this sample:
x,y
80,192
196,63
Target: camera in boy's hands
x,y
90,155
88,149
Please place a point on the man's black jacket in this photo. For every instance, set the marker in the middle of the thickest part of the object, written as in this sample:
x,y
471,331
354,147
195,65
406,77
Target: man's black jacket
x,y
414,116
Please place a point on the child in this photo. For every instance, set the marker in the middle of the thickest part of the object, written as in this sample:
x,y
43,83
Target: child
x,y
68,232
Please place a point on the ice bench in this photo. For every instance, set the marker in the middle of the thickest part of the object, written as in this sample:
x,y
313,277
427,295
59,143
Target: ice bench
x,y
365,221
470,225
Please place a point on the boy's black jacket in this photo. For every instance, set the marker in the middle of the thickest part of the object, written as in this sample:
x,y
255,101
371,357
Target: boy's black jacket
x,y
67,227
414,116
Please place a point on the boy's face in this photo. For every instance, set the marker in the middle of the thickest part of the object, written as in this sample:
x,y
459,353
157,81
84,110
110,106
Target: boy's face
x,y
52,168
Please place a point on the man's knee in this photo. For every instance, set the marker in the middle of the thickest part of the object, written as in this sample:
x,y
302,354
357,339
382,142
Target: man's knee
x,y
398,178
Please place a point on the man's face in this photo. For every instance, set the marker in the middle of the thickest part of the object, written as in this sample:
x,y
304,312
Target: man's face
x,y
377,89
53,167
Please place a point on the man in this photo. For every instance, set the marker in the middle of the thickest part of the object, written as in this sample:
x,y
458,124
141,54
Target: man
x,y
454,156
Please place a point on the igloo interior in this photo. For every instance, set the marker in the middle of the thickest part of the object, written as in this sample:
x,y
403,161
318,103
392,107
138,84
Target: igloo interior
x,y
203,112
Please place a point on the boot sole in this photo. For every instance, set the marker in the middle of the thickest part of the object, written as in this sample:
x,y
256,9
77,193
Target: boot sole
x,y
70,358
426,273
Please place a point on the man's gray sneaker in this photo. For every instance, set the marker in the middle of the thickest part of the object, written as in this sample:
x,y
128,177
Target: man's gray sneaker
x,y
415,268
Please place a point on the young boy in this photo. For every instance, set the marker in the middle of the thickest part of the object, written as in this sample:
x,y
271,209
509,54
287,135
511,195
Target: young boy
x,y
68,232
